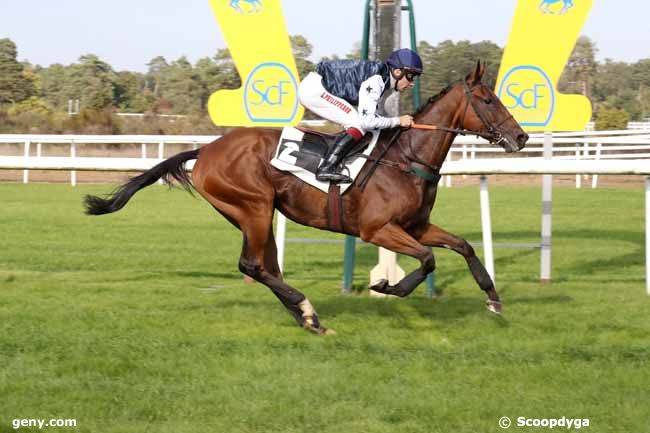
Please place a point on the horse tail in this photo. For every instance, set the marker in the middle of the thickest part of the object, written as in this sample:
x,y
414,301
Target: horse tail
x,y
172,168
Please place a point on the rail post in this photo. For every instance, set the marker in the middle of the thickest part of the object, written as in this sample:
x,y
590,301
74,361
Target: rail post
x,y
73,154
547,207
486,224
280,238
161,155
26,172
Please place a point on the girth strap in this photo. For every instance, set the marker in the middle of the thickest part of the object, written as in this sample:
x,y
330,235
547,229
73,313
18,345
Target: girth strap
x,y
335,208
424,172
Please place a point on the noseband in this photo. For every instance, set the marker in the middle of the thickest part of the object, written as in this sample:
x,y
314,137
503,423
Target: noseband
x,y
492,135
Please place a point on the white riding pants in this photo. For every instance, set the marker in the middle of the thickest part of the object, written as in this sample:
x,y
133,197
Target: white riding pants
x,y
314,97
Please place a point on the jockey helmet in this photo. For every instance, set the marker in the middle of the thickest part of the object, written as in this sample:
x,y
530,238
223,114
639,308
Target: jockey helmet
x,y
405,59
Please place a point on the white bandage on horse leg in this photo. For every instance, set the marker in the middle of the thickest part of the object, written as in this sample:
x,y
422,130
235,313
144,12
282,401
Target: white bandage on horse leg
x,y
308,311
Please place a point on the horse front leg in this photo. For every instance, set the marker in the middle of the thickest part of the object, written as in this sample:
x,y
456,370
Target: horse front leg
x,y
434,236
394,238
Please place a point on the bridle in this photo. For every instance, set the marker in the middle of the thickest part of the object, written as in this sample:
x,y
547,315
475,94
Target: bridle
x,y
492,134
421,169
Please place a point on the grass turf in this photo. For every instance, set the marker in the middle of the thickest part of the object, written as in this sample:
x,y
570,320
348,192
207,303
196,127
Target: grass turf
x,y
139,321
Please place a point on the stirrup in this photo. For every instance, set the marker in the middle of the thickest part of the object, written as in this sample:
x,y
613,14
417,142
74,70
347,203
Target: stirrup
x,y
334,177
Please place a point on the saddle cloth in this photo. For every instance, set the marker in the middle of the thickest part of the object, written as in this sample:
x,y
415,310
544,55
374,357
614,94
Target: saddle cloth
x,y
300,154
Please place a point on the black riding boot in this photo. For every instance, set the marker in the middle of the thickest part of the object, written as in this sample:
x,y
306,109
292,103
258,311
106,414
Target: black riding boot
x,y
330,168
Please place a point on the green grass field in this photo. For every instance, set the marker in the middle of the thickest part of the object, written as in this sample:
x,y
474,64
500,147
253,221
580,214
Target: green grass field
x,y
140,322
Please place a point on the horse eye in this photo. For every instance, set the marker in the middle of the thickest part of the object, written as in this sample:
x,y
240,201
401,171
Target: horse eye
x,y
488,101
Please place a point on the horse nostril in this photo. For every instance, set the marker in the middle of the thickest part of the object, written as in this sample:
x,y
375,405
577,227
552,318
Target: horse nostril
x,y
522,138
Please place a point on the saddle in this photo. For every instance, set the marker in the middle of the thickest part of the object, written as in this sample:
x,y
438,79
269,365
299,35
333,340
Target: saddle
x,y
300,151
314,146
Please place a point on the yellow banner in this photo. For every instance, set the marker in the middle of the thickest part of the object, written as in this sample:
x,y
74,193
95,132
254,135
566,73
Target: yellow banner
x,y
542,37
258,41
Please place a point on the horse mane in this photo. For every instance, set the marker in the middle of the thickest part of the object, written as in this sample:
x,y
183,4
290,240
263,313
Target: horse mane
x,y
436,98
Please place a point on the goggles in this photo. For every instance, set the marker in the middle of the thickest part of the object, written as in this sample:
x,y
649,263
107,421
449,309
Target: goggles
x,y
411,75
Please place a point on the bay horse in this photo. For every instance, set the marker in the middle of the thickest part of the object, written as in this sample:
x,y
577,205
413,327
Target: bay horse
x,y
390,210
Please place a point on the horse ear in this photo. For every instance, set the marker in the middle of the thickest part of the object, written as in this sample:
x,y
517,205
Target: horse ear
x,y
475,77
481,70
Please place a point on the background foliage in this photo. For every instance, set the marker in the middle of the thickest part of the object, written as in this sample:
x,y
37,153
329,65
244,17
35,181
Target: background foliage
x,y
35,99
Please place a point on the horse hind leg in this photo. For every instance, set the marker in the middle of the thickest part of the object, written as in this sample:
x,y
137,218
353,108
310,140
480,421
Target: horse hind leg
x,y
259,261
272,267
258,258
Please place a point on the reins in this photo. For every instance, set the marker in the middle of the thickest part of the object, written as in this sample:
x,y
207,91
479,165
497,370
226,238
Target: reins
x,y
415,168
420,169
458,131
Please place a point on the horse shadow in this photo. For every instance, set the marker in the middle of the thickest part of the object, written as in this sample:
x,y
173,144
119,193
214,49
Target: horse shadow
x,y
446,308
586,264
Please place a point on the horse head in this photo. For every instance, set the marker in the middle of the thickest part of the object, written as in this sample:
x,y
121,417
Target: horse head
x,y
469,107
485,114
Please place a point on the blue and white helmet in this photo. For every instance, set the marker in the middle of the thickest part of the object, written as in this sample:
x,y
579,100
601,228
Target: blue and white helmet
x,y
405,59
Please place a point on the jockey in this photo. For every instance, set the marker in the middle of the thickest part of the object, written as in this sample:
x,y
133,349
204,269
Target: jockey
x,y
337,86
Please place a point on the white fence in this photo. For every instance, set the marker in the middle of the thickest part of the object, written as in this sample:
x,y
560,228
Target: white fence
x,y
601,145
33,150
556,160
572,146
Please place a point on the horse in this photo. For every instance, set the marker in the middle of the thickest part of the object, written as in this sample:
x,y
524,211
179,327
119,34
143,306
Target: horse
x,y
545,4
390,209
256,4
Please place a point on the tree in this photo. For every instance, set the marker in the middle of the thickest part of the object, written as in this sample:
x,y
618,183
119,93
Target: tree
x,y
181,86
355,53
91,81
14,85
228,77
614,84
448,62
610,118
157,68
641,78
302,50
207,72
53,85
580,69
130,94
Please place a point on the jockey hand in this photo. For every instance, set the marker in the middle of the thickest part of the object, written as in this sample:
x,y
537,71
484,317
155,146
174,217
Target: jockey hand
x,y
406,121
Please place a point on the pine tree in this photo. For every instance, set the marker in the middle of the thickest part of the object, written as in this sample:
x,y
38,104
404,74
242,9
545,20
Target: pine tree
x,y
15,86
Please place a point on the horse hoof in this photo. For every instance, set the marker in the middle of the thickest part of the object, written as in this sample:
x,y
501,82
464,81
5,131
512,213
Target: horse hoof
x,y
493,306
320,330
379,285
327,332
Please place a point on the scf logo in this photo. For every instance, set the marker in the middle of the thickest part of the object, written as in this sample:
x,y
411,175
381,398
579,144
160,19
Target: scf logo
x,y
270,94
525,98
529,95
